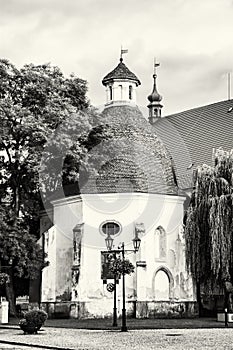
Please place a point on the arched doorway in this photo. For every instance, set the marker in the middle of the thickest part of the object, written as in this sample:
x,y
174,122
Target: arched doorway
x,y
162,284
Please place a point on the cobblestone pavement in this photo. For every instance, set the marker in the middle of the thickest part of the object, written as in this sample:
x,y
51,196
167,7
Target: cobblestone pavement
x,y
18,347
177,339
14,347
132,323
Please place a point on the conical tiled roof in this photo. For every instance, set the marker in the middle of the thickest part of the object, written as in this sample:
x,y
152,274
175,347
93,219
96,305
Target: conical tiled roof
x,y
131,159
120,72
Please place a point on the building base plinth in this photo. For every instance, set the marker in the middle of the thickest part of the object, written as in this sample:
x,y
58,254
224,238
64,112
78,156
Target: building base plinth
x,y
135,309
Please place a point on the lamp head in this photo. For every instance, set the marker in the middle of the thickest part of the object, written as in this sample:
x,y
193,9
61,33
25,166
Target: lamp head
x,y
109,242
136,243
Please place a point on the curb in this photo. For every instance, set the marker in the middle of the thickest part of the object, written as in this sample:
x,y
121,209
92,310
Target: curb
x,y
9,327
38,345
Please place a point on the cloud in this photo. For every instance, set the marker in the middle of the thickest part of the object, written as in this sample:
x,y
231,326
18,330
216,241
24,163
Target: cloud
x,y
191,39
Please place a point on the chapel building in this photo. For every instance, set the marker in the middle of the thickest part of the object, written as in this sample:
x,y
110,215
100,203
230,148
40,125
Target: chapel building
x,y
138,185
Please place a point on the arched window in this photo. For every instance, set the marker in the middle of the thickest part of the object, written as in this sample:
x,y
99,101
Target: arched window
x,y
130,92
110,92
160,243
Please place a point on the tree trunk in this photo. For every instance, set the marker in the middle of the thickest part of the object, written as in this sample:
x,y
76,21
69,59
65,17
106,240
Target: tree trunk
x,y
10,295
198,286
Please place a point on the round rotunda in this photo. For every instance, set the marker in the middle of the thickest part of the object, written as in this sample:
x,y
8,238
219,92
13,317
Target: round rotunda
x,y
129,156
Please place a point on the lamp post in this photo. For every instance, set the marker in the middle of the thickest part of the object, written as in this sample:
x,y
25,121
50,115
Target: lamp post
x,y
123,326
115,304
136,245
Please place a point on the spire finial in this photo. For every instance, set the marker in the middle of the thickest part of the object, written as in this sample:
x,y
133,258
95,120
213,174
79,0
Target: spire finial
x,y
154,98
155,66
122,52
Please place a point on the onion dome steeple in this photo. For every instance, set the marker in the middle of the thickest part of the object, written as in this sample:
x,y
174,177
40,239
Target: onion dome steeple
x,y
121,84
154,98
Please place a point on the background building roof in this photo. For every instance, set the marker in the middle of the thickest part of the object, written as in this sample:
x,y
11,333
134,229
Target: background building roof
x,y
192,136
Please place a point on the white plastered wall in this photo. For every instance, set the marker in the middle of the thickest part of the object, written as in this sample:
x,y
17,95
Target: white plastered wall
x,y
57,277
127,209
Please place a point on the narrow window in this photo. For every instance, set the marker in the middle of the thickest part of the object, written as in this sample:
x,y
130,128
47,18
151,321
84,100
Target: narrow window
x,y
120,87
130,92
110,91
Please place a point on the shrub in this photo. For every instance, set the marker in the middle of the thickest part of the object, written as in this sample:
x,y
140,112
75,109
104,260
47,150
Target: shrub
x,y
35,317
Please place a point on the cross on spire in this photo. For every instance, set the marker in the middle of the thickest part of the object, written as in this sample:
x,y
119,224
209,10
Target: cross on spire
x,y
156,64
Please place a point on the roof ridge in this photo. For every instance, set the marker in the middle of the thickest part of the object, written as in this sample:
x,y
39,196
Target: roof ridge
x,y
196,108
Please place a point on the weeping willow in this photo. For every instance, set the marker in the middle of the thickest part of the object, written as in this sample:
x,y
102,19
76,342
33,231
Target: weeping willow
x,y
208,228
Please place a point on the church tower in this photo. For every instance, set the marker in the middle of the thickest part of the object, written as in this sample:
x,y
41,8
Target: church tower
x,y
155,98
120,85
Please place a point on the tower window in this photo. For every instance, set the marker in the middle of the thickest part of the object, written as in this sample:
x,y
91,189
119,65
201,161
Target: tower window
x,y
120,86
130,92
110,91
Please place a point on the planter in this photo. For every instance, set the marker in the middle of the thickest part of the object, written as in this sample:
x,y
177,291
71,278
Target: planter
x,y
32,321
30,328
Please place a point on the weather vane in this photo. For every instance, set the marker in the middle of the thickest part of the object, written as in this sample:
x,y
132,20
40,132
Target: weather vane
x,y
122,52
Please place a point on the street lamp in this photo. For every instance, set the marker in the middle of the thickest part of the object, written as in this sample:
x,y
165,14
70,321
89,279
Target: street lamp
x,y
136,242
136,245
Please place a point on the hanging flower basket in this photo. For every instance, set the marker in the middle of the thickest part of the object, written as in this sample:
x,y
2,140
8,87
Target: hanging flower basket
x,y
118,267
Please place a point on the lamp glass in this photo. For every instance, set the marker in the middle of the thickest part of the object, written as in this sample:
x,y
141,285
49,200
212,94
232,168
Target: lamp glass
x,y
109,242
136,243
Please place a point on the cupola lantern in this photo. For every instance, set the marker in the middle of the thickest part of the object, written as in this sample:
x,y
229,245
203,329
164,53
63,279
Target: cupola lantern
x,y
121,85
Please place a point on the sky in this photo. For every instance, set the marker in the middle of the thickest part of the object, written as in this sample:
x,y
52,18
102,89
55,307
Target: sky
x,y
192,40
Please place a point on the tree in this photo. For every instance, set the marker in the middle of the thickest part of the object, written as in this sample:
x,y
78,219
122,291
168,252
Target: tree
x,y
34,101
21,257
65,151
209,224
